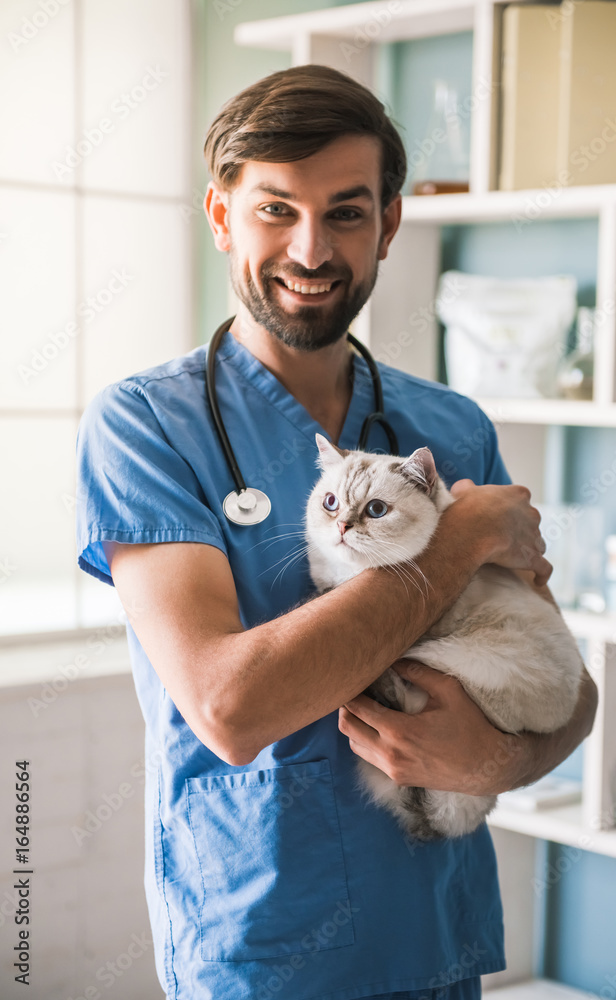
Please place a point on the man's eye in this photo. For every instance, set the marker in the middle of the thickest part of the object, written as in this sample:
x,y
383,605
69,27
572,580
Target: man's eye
x,y
275,209
347,214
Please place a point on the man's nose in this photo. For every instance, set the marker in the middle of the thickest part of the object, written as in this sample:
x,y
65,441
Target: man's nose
x,y
310,245
342,526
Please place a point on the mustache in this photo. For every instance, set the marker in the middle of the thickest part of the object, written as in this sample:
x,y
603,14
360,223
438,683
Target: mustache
x,y
299,274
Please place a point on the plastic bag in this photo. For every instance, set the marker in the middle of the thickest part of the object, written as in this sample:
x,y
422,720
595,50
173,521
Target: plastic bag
x,y
505,336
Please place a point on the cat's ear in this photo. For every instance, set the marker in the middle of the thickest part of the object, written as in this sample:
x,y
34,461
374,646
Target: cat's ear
x,y
329,454
420,470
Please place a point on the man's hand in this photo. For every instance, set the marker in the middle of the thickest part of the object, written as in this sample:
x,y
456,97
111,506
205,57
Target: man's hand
x,y
445,746
450,745
509,533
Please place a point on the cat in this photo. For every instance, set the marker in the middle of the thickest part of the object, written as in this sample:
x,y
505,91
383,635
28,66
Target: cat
x,y
507,645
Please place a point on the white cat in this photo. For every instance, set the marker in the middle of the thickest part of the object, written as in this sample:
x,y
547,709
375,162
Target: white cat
x,y
510,648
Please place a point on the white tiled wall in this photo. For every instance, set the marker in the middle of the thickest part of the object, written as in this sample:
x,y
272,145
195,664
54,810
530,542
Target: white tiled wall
x,y
87,898
95,255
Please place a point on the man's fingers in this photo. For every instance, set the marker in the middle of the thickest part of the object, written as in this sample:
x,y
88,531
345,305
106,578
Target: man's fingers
x,y
543,571
362,733
460,487
428,678
367,709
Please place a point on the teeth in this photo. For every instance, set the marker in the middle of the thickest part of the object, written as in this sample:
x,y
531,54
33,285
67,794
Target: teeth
x,y
307,289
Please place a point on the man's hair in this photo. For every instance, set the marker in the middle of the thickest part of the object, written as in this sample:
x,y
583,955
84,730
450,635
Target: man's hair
x,y
294,113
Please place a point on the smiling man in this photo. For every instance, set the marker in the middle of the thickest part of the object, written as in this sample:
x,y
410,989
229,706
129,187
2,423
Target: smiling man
x,y
266,874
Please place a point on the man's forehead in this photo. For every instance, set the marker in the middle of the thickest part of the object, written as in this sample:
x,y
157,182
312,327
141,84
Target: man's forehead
x,y
342,174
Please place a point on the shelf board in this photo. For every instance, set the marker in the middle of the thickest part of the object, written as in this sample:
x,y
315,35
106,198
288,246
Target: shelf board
x,y
562,825
409,19
567,412
585,625
523,207
536,989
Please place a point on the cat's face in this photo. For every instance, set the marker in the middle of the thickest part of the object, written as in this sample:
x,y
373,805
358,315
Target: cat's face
x,y
372,510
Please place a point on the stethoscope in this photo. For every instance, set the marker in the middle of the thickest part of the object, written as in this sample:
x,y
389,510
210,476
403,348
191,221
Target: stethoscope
x,y
246,505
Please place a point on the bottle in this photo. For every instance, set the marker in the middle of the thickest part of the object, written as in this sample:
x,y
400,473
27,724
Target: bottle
x,y
575,375
440,162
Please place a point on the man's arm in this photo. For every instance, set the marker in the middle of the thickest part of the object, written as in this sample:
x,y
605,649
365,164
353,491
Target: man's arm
x,y
241,690
450,745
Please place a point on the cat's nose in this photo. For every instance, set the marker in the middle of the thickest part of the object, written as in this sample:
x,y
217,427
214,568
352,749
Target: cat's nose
x,y
342,526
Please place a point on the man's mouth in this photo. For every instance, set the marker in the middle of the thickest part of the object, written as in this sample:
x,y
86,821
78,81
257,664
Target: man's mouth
x,y
307,288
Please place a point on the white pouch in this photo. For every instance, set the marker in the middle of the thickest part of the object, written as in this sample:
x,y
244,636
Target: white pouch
x,y
505,336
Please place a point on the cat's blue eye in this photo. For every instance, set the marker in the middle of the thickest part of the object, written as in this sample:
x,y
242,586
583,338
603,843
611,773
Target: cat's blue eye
x,y
331,502
376,508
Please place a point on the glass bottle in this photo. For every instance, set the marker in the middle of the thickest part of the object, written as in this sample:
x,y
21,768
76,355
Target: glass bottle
x,y
440,161
575,375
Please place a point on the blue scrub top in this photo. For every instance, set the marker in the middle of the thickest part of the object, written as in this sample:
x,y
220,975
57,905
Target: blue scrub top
x,y
277,879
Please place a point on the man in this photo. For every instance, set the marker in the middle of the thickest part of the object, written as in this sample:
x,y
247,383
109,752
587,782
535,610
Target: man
x,y
266,873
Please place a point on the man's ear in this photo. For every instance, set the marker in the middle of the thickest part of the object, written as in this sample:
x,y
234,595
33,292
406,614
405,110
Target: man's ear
x,y
390,220
216,208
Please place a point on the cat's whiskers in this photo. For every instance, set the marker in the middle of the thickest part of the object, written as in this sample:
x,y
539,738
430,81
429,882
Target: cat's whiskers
x,y
292,559
403,571
282,535
297,551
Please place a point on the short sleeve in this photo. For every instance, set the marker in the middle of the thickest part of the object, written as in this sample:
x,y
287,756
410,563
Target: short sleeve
x,y
495,472
132,485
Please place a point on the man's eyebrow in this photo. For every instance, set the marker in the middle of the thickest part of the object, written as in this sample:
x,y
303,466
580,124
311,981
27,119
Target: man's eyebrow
x,y
359,191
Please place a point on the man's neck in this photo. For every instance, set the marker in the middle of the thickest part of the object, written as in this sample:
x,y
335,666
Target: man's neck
x,y
319,380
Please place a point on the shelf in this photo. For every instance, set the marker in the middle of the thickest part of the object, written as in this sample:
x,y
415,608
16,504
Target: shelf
x,y
397,22
562,825
570,413
585,625
409,19
537,989
522,207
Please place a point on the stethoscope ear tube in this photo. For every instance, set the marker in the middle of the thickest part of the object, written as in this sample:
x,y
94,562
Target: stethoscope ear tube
x,y
378,417
234,468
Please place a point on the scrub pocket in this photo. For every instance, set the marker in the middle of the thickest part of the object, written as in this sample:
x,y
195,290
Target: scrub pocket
x,y
270,854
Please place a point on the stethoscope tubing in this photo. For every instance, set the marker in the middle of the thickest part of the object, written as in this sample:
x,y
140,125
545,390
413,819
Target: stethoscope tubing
x,y
377,417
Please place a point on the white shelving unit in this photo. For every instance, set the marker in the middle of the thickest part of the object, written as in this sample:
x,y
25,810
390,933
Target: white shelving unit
x,y
399,326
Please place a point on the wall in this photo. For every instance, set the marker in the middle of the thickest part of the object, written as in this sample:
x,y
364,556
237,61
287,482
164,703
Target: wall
x,y
83,737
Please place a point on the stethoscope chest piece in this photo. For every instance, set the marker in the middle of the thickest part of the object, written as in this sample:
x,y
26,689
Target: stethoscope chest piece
x,y
250,506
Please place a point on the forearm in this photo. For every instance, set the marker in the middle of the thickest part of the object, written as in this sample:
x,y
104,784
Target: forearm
x,y
284,674
532,755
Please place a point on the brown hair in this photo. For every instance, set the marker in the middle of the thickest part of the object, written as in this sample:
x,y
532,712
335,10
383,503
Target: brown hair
x,y
294,113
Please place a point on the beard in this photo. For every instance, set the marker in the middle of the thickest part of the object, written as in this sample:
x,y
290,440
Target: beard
x,y
307,328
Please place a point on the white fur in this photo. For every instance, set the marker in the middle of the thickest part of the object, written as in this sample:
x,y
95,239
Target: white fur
x,y
509,647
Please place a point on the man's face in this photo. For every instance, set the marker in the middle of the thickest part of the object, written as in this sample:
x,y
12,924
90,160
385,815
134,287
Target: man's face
x,y
315,224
